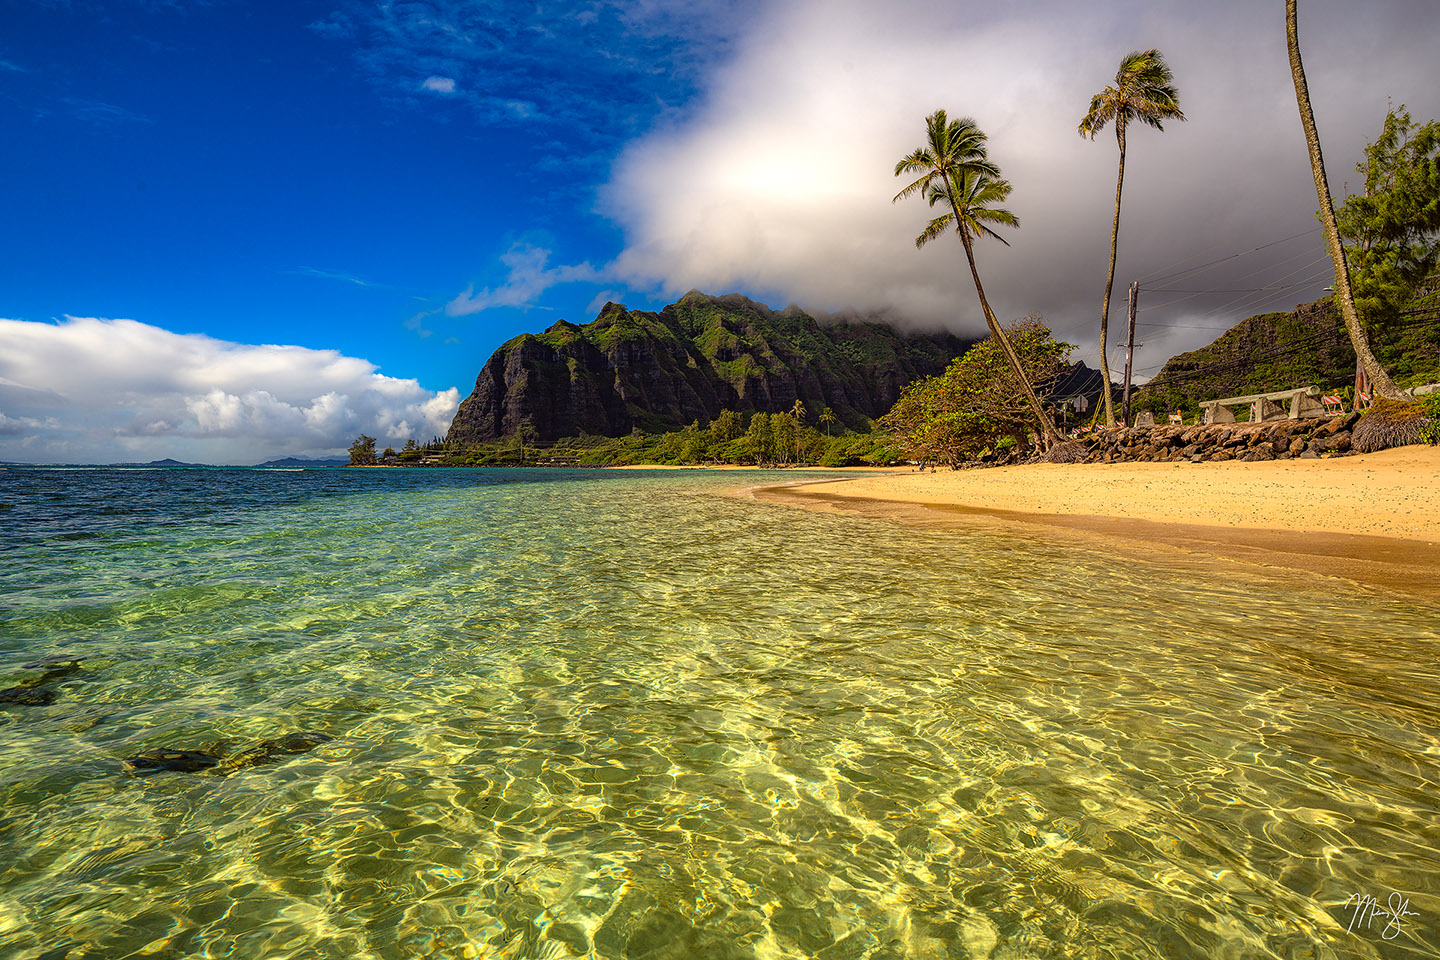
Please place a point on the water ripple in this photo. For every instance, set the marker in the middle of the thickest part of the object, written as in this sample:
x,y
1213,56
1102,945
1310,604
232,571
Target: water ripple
x,y
618,715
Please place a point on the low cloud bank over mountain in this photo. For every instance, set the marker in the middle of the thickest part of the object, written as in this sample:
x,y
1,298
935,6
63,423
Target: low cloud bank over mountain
x,y
779,183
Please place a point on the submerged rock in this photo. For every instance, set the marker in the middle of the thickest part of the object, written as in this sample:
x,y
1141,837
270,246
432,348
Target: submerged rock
x,y
270,751
54,660
301,742
165,761
37,691
28,696
226,756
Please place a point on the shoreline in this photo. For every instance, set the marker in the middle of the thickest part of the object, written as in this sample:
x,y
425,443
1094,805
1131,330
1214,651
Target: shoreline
x,y
752,467
1369,519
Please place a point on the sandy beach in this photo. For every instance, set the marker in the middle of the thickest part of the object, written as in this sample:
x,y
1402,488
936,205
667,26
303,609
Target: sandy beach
x,y
1370,518
752,467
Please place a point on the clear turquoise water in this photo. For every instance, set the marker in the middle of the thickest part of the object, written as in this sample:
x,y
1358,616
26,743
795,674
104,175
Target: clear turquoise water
x,y
625,715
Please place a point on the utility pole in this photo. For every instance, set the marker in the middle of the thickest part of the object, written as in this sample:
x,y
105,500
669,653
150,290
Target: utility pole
x,y
1130,350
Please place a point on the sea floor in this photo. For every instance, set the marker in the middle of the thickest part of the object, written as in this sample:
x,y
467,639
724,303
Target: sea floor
x,y
597,714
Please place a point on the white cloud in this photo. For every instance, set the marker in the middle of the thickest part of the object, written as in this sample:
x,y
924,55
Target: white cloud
x,y
528,277
779,183
103,391
439,84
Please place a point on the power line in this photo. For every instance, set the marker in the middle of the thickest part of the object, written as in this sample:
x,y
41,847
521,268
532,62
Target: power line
x,y
1151,279
1193,293
1427,317
1249,301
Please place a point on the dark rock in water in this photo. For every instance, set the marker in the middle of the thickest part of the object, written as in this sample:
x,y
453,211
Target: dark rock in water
x,y
300,742
227,755
54,673
238,754
59,953
164,761
37,691
54,660
28,696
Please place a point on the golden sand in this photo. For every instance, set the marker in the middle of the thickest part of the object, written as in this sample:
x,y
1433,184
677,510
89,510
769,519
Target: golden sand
x,y
1372,518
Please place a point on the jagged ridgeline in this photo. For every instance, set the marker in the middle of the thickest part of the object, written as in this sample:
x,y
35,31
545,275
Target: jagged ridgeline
x,y
637,369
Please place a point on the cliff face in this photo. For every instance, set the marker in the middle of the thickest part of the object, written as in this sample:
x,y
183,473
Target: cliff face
x,y
631,369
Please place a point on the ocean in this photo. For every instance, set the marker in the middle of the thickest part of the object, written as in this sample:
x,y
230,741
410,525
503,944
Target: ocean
x,y
488,713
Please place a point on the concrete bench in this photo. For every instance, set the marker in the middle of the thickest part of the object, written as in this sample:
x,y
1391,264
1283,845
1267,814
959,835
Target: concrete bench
x,y
1302,403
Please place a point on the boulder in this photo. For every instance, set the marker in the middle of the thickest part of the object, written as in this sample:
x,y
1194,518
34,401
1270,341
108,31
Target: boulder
x,y
167,761
28,696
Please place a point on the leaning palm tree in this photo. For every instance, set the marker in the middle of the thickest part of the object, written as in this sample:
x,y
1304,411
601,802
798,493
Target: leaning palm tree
x,y
955,171
1380,380
1144,90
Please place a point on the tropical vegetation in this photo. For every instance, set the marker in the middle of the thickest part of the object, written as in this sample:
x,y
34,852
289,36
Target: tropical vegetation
x,y
733,437
362,451
955,172
1143,91
1379,379
1392,230
977,404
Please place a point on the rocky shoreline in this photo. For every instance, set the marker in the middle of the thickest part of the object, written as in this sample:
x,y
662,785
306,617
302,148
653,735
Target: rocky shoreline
x,y
1201,443
1249,442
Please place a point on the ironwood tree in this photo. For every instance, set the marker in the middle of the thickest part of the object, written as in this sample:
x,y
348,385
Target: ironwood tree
x,y
1392,230
362,451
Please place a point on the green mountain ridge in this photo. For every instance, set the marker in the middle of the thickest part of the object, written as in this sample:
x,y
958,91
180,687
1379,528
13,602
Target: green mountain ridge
x,y
1307,346
650,371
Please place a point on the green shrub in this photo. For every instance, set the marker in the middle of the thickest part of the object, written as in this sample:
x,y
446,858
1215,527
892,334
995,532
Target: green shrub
x,y
1430,429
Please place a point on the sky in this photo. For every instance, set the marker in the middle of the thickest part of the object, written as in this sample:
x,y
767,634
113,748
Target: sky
x,y
234,231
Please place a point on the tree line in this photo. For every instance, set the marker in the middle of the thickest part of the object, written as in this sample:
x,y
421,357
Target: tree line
x,y
1392,233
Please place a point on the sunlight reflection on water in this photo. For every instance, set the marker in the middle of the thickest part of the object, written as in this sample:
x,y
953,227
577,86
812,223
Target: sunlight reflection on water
x,y
590,714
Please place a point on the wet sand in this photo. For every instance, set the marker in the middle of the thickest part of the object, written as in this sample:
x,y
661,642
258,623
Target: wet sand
x,y
1374,519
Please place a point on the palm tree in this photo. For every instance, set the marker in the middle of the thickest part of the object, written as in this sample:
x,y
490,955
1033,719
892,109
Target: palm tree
x,y
798,412
827,417
955,171
1144,90
1380,380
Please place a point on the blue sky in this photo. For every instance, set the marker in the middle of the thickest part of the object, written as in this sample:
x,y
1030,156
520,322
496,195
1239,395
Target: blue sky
x,y
214,210
311,174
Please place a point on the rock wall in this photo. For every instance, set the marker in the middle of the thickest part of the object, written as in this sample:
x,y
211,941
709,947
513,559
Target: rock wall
x,y
1277,440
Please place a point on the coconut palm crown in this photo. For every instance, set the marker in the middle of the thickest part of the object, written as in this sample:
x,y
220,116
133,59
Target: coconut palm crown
x,y
955,171
1144,90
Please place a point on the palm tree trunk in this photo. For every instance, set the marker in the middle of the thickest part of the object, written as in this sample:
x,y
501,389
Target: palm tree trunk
x,y
1379,379
1047,427
1110,281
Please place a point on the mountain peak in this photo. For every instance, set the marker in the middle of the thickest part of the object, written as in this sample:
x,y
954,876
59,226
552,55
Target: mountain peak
x,y
635,369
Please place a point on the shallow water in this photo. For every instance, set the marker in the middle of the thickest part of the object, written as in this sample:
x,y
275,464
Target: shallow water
x,y
611,714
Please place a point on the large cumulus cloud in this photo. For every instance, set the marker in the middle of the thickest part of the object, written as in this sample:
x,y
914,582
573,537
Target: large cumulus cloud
x,y
93,390
779,183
